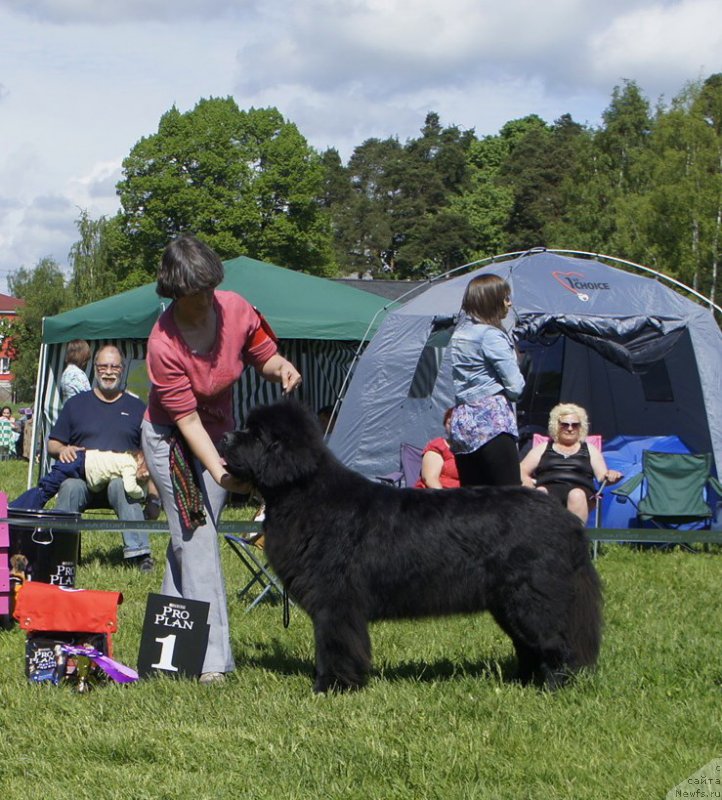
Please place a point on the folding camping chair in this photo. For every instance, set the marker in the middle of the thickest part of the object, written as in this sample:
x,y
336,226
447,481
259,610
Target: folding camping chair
x,y
409,471
250,552
675,490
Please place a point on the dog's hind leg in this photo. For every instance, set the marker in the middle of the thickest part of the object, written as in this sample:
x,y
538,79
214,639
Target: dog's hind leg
x,y
343,649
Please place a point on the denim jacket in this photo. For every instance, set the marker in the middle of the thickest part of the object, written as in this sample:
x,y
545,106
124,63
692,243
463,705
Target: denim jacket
x,y
483,363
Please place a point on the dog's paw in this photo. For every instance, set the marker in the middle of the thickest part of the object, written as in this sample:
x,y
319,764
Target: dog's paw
x,y
332,683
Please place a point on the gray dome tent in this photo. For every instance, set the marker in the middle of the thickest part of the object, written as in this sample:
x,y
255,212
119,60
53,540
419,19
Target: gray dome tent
x,y
638,355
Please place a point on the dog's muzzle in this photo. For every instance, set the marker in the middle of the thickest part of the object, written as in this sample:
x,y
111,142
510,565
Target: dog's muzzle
x,y
225,443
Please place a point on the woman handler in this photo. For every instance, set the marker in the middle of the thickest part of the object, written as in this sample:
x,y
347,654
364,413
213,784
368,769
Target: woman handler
x,y
196,352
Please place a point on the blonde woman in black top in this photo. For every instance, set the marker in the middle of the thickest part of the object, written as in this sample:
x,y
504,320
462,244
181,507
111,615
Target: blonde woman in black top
x,y
567,465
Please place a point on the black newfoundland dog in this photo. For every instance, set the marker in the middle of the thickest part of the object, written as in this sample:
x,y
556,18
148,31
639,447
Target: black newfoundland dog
x,y
350,551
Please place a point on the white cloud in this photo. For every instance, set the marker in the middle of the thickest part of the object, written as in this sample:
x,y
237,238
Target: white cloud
x,y
82,81
390,47
48,212
94,12
43,228
656,46
95,191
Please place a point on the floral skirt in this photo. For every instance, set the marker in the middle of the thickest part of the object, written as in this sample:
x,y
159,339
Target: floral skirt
x,y
475,424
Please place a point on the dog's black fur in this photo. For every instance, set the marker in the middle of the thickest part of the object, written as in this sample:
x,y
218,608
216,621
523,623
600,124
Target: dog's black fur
x,y
350,551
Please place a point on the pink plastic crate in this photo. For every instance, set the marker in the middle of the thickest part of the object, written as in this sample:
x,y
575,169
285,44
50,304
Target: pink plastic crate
x,y
4,553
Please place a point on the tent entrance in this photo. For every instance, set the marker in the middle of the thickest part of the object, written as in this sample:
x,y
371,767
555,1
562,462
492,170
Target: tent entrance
x,y
543,367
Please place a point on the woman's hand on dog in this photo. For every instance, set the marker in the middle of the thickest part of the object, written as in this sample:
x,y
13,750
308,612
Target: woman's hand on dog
x,y
231,484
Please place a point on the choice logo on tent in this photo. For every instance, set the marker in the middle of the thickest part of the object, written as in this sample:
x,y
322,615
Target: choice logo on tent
x,y
574,282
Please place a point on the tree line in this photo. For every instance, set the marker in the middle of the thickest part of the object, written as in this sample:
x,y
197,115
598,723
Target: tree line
x,y
645,185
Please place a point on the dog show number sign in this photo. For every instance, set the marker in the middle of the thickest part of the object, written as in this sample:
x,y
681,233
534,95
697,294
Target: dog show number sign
x,y
174,637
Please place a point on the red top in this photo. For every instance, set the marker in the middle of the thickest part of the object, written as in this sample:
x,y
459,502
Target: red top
x,y
184,381
449,478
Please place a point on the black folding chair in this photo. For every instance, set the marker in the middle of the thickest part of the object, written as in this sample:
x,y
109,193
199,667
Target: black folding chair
x,y
250,553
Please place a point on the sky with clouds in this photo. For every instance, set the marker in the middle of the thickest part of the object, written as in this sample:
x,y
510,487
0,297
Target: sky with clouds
x,y
81,81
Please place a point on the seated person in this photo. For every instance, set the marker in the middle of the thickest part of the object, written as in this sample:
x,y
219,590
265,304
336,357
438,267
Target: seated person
x,y
74,380
326,419
97,468
438,465
7,414
105,418
567,464
10,431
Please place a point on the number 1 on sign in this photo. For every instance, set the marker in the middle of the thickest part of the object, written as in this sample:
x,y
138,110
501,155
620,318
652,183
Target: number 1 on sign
x,y
165,661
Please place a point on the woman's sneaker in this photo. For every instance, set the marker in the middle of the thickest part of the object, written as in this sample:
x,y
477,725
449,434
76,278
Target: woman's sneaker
x,y
211,677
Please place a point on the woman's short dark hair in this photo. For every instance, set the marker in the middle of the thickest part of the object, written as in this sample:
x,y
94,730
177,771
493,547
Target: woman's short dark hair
x,y
77,352
484,299
188,265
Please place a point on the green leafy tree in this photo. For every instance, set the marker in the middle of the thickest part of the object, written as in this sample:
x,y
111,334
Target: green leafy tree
x,y
536,170
487,203
44,291
587,220
612,172
399,218
363,217
245,181
675,223
337,200
90,258
430,236
624,136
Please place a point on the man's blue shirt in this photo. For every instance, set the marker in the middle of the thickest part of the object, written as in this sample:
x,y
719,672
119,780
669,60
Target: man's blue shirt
x,y
88,421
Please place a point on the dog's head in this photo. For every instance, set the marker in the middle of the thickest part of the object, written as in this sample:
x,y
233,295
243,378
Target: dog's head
x,y
280,445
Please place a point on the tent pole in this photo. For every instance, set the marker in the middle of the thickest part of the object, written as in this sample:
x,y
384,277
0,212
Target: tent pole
x,y
36,408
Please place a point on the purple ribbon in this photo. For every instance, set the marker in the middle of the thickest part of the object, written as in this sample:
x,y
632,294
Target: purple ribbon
x,y
113,669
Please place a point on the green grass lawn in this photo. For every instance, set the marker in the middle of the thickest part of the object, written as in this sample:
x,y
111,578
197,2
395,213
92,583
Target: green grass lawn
x,y
439,718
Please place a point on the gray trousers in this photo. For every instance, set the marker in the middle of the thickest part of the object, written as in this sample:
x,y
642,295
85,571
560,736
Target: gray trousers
x,y
74,495
193,566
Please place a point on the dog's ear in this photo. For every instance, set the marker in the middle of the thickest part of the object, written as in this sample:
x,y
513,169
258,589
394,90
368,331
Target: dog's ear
x,y
291,444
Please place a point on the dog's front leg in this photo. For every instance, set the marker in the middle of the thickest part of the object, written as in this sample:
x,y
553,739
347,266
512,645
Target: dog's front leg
x,y
343,649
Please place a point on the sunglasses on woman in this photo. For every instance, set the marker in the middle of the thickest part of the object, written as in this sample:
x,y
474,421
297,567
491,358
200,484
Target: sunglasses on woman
x,y
570,426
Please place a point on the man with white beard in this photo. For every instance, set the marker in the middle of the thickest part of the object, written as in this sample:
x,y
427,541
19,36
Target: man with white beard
x,y
105,418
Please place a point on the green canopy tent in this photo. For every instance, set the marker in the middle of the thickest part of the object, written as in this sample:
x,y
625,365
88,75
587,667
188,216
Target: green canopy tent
x,y
320,325
297,305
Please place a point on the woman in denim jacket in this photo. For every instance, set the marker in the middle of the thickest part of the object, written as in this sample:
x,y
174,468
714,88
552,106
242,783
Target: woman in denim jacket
x,y
487,381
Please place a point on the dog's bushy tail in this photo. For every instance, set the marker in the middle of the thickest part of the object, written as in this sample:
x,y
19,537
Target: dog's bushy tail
x,y
586,616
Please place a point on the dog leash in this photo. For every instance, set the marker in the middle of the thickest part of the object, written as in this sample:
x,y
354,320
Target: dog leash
x,y
286,609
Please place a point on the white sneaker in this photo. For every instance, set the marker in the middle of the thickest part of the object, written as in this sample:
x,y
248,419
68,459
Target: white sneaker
x,y
211,677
